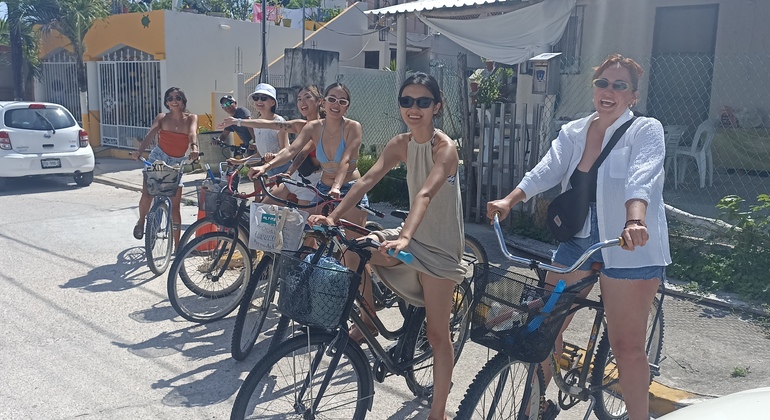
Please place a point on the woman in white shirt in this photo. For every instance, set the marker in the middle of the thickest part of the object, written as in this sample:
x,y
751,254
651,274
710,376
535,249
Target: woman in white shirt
x,y
628,202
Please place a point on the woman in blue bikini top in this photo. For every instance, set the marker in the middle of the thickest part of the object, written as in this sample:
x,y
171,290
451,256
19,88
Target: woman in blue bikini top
x,y
332,133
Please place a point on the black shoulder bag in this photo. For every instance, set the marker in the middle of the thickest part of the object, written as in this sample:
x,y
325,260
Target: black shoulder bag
x,y
568,211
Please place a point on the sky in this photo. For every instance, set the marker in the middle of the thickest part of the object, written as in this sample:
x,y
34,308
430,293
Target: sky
x,y
2,10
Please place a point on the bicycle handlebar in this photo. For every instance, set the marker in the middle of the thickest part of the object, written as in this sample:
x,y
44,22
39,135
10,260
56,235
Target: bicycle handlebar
x,y
367,242
547,267
306,184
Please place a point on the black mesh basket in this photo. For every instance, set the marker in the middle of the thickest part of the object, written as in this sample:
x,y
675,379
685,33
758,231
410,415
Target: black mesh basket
x,y
508,315
220,204
314,295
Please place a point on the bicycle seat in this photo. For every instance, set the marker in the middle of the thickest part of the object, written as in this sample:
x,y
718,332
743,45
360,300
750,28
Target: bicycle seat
x,y
401,214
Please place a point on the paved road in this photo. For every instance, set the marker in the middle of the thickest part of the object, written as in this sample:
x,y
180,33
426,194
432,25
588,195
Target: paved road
x,y
89,332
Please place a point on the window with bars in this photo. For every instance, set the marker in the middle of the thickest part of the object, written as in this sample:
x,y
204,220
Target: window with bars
x,y
569,44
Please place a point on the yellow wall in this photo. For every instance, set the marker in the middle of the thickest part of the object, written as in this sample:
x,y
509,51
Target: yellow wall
x,y
117,30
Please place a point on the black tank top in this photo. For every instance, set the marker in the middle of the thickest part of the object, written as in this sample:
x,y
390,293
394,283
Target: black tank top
x,y
586,181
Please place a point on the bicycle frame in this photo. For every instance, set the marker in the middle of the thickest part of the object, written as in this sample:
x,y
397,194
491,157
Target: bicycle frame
x,y
576,388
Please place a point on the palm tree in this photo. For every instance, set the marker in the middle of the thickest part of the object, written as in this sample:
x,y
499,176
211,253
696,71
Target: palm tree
x,y
15,41
30,65
72,19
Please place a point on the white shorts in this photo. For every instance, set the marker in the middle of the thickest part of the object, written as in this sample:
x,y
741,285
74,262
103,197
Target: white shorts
x,y
304,194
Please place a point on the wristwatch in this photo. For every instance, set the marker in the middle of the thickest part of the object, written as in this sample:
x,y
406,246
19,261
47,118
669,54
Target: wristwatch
x,y
239,122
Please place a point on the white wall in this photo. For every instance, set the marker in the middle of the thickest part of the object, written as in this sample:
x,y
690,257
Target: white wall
x,y
627,27
201,56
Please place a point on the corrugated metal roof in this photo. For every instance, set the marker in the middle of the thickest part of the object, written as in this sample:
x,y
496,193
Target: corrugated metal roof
x,y
419,6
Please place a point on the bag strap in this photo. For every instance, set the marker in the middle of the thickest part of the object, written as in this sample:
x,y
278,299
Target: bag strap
x,y
611,144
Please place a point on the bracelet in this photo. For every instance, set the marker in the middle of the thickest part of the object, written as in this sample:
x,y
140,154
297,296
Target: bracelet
x,y
637,222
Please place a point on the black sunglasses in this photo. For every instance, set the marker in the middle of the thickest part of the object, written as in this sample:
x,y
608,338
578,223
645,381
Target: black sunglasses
x,y
618,85
174,98
262,98
342,101
422,102
227,103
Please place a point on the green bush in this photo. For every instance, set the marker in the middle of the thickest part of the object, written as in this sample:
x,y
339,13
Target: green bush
x,y
391,189
740,266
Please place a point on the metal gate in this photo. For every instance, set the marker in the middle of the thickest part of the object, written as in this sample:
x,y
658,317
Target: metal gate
x,y
130,96
60,82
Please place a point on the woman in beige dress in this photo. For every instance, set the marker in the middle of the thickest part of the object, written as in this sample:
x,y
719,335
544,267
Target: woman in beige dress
x,y
433,232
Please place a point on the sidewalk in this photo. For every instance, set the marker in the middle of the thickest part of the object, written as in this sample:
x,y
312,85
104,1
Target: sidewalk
x,y
703,342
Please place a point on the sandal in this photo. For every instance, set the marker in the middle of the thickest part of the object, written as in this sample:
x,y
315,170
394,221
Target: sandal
x,y
549,410
358,337
138,232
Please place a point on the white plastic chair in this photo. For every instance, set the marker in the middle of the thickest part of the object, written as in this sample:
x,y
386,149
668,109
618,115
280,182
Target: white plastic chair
x,y
700,151
673,135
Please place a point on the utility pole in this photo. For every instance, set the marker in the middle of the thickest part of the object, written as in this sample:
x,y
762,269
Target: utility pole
x,y
263,71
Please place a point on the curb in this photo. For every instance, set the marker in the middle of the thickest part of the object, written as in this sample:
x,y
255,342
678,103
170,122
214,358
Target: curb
x,y
116,183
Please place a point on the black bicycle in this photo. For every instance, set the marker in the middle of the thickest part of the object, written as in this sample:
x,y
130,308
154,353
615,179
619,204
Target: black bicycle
x,y
322,372
520,318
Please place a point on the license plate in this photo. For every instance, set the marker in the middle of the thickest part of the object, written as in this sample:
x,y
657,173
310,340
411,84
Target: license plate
x,y
50,163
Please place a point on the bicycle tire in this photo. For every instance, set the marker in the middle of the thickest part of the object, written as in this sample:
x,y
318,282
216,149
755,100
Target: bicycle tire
x,y
473,254
275,381
419,377
191,230
488,391
609,402
158,236
208,289
253,309
373,226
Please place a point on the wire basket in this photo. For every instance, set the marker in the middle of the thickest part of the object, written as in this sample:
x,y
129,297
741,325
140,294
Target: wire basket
x,y
315,295
219,203
508,314
164,183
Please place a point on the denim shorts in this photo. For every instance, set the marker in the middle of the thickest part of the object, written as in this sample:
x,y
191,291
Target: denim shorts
x,y
343,192
278,169
158,154
568,252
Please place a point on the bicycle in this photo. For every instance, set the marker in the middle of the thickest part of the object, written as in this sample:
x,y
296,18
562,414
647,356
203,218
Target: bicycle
x,y
213,266
528,317
321,370
263,283
162,183
236,151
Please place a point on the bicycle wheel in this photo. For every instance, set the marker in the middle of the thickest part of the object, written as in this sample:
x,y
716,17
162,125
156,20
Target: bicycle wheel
x,y
498,391
206,278
253,309
286,383
198,228
158,236
419,377
609,400
474,254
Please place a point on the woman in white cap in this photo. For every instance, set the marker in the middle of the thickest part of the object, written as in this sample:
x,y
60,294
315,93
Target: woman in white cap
x,y
266,140
304,166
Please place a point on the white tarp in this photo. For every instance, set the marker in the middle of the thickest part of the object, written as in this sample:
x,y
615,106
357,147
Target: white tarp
x,y
510,38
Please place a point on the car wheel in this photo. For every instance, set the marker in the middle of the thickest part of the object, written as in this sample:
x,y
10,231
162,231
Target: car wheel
x,y
84,179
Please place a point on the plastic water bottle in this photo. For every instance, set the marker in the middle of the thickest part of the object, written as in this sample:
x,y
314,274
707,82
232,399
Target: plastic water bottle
x,y
501,317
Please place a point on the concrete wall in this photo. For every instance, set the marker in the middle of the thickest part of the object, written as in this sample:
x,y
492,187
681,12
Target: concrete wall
x,y
627,27
201,55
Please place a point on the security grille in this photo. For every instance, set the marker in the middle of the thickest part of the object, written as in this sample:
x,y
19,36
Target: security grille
x,y
130,96
60,82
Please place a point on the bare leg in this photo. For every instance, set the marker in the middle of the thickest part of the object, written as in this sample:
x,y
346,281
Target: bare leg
x,y
366,287
144,205
438,307
627,304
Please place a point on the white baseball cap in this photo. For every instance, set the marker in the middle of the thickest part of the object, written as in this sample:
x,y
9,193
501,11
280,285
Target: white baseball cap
x,y
265,89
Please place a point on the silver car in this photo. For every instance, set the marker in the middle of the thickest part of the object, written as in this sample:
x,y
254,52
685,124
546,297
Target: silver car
x,y
39,138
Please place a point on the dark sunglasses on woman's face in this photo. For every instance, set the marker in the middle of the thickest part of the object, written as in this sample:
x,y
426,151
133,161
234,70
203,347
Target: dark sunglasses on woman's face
x,y
408,101
618,85
341,101
174,98
262,98
226,104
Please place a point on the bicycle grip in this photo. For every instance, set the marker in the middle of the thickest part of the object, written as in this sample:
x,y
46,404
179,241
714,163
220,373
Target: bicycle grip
x,y
403,256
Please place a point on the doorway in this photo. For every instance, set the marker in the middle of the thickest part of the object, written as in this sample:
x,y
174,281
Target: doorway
x,y
682,64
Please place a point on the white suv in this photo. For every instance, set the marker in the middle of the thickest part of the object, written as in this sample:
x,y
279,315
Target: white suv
x,y
40,138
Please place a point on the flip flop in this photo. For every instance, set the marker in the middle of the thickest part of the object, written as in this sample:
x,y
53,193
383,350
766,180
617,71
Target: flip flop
x,y
550,410
138,232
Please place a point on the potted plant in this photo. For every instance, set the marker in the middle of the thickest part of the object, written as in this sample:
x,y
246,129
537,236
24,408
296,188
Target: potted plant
x,y
286,22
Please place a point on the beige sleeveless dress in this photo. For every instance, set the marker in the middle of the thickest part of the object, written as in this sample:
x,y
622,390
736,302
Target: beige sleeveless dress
x,y
439,241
